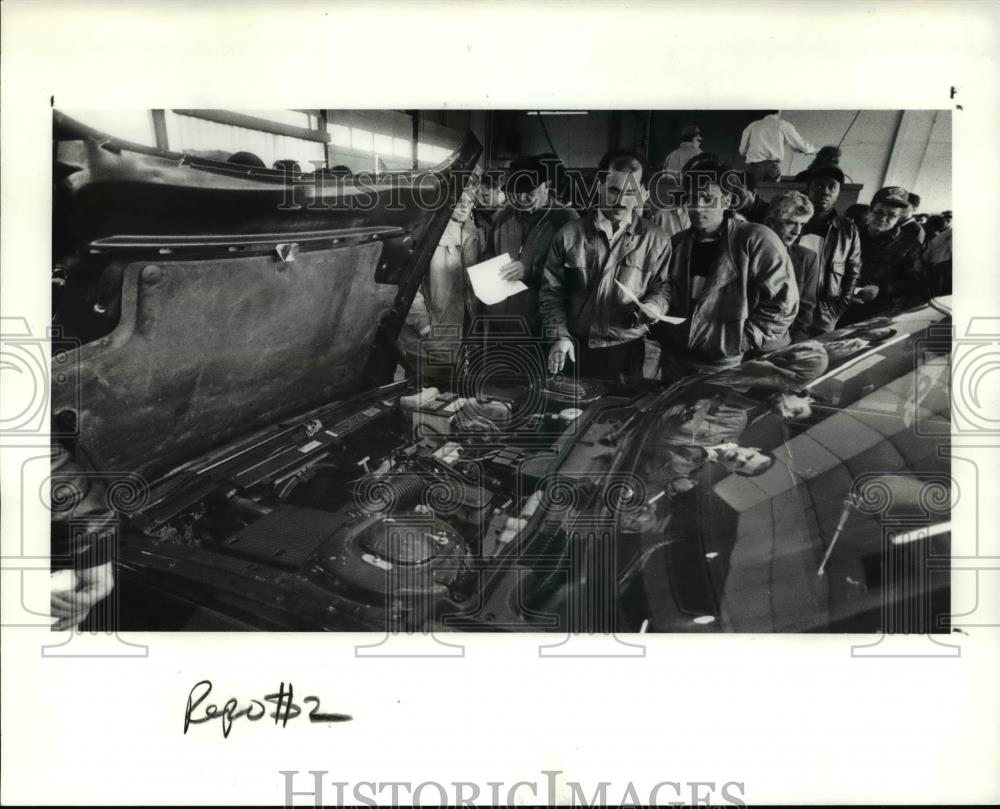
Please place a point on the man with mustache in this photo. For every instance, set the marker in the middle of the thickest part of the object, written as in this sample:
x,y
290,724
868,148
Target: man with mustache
x,y
595,324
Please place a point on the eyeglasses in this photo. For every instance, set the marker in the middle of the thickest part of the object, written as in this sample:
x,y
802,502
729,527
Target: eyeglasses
x,y
885,215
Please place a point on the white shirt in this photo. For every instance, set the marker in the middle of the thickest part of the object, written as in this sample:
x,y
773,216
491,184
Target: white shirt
x,y
604,224
765,140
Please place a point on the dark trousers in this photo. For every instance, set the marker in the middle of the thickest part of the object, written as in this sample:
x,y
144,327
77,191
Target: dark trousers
x,y
767,171
610,362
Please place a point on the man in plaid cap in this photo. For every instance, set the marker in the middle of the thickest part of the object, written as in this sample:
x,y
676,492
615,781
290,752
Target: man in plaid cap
x,y
890,258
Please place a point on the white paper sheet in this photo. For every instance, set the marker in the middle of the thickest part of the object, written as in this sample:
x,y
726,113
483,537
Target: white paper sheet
x,y
487,284
650,311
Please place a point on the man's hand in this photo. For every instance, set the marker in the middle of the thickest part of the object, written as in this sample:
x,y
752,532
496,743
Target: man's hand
x,y
720,448
515,271
635,317
865,294
93,584
792,407
561,351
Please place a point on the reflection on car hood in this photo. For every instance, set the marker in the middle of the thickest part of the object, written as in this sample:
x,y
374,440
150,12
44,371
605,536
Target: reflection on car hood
x,y
854,423
203,299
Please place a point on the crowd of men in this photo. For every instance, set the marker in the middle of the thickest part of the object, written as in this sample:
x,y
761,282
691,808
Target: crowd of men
x,y
690,258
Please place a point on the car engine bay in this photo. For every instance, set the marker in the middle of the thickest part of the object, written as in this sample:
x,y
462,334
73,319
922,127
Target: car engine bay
x,y
387,503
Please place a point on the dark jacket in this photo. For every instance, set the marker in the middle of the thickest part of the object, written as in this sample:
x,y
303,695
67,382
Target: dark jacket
x,y
893,262
805,263
580,299
525,238
483,219
915,229
839,250
937,264
749,300
757,211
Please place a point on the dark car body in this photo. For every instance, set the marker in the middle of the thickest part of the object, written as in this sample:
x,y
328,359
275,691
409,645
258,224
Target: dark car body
x,y
237,358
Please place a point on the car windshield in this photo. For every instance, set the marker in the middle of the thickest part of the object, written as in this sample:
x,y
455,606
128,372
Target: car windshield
x,y
750,475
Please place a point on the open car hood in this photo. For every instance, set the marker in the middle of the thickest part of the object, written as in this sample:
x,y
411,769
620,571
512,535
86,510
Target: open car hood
x,y
200,300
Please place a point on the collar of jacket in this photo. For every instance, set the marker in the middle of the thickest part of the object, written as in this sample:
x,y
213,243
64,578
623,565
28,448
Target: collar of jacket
x,y
637,227
836,220
886,238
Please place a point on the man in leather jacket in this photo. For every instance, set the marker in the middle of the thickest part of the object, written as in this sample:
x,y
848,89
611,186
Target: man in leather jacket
x,y
731,281
892,259
835,239
591,263
524,231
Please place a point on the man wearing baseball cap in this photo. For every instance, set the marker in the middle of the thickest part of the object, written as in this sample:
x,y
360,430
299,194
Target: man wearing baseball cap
x,y
835,239
690,146
890,258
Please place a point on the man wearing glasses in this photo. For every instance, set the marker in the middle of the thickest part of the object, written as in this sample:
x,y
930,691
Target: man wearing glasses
x,y
890,258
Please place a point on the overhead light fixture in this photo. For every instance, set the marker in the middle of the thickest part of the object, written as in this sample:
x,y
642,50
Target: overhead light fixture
x,y
558,112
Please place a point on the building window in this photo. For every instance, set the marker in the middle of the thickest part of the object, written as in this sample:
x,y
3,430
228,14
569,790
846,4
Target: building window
x,y
402,147
341,135
361,139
